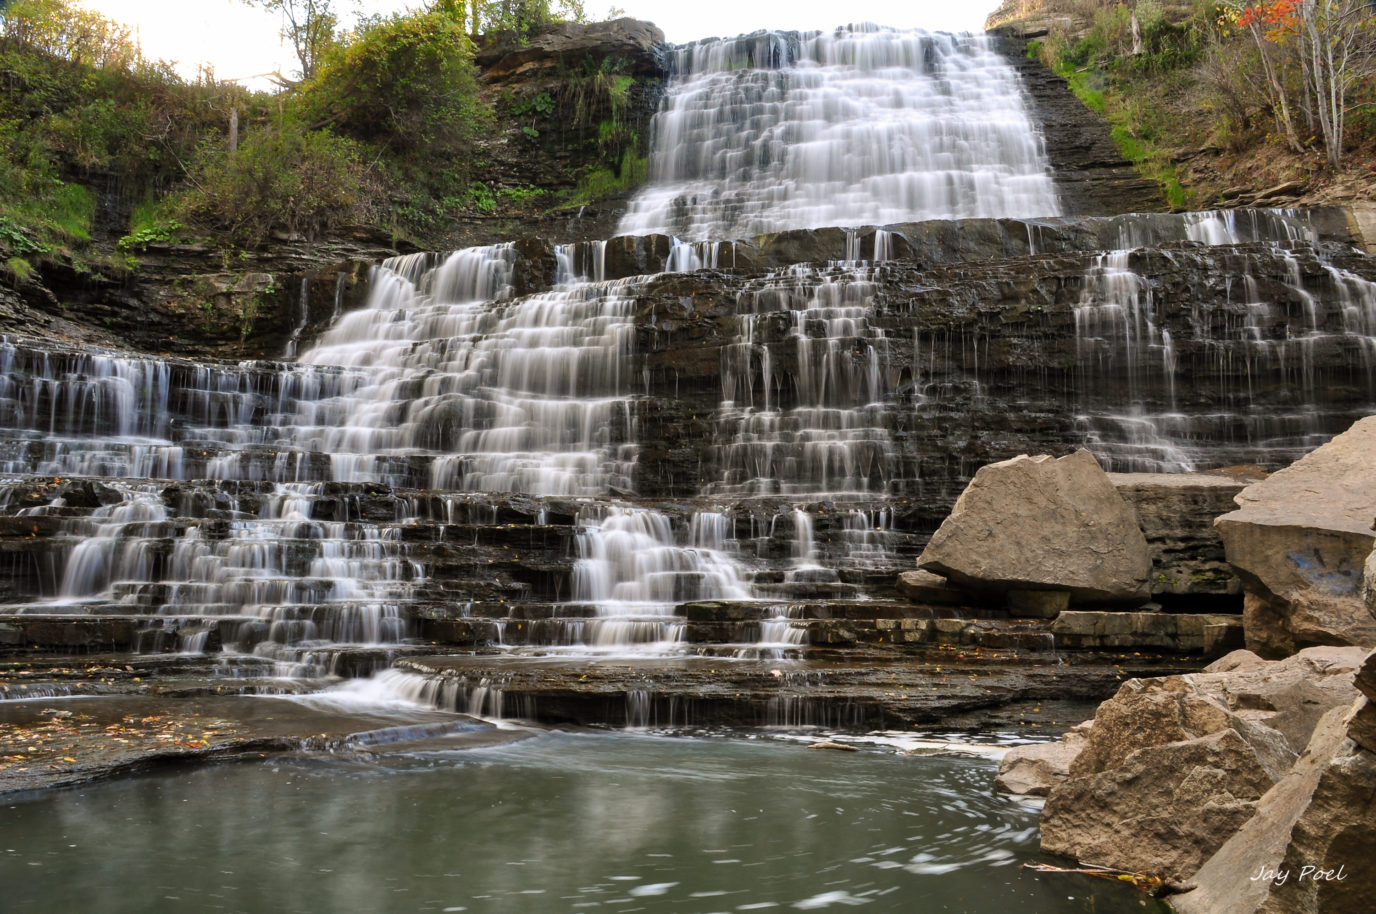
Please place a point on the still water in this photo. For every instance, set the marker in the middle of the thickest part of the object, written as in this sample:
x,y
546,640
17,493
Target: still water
x,y
557,822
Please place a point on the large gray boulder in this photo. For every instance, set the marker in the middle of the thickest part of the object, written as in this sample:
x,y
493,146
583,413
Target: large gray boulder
x,y
1299,541
1039,524
1308,848
1173,767
1176,512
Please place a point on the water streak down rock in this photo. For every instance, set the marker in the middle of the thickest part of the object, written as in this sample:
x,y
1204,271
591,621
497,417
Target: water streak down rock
x,y
1036,523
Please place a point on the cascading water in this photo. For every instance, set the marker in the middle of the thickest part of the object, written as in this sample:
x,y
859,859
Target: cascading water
x,y
825,434
860,126
1123,344
350,486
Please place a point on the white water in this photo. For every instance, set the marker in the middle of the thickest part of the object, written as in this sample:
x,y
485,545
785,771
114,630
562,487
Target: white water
x,y
860,126
447,380
1121,344
824,432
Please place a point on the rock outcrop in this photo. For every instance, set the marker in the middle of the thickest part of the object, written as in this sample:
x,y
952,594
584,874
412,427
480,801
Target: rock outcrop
x,y
1299,541
557,50
1042,524
1092,177
1171,768
1308,848
1369,582
1177,513
1184,632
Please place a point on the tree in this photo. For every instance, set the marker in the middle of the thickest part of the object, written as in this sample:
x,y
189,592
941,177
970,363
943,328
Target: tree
x,y
64,29
310,26
482,16
1314,53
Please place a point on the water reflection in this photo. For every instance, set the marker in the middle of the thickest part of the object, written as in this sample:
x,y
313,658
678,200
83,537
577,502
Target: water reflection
x,y
556,823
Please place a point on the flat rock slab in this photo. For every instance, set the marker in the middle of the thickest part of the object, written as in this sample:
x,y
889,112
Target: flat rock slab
x,y
1037,523
974,687
64,741
1300,539
1184,632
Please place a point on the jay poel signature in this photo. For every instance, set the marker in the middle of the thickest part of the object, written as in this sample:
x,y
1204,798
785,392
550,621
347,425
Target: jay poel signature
x,y
1312,873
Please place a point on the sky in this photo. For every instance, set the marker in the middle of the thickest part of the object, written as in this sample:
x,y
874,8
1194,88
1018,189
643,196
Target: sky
x,y
242,41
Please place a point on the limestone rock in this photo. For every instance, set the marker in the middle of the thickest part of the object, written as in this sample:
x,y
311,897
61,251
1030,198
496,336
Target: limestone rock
x,y
1320,816
1177,764
1037,523
1039,604
1164,810
1299,542
1184,632
506,56
925,587
1369,582
1177,512
1033,770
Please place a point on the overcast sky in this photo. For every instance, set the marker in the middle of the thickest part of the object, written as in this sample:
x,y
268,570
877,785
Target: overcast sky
x,y
242,41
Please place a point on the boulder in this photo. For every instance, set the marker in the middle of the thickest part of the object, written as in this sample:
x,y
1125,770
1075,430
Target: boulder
x,y
1038,523
1164,810
1177,512
1172,767
1308,848
1033,770
1299,541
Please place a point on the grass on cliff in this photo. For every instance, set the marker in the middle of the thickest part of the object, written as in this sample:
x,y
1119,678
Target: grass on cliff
x,y
1185,83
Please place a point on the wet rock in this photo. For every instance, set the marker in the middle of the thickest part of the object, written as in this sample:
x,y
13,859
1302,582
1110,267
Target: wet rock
x,y
1037,523
1177,513
1172,767
1181,632
1091,174
1299,541
1033,770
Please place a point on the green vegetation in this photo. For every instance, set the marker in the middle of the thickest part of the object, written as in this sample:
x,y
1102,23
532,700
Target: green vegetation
x,y
629,172
1173,77
103,152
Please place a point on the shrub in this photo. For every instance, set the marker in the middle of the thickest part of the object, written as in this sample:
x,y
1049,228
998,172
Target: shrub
x,y
282,179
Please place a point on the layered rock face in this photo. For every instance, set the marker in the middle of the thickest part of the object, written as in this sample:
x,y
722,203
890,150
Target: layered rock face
x,y
1177,512
1172,768
1300,541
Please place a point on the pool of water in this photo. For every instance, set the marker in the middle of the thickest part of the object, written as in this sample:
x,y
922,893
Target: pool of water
x,y
558,822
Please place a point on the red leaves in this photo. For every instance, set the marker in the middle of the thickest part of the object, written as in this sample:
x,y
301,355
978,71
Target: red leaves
x,y
1279,17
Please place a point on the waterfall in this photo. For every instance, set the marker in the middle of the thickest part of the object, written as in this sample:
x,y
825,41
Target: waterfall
x,y
860,126
826,434
490,403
